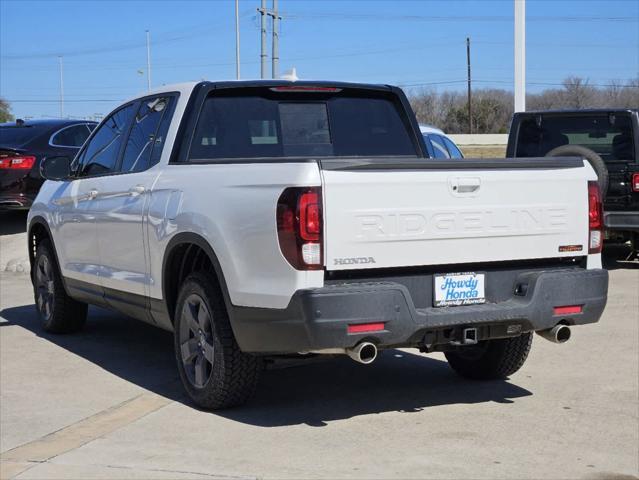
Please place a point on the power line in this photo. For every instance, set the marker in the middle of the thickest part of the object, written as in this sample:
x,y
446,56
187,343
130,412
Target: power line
x,y
455,18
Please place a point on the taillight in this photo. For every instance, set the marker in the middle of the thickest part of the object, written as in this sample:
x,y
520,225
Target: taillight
x,y
299,227
17,163
635,182
595,218
306,89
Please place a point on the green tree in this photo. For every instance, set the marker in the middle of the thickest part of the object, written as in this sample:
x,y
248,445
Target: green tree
x,y
5,111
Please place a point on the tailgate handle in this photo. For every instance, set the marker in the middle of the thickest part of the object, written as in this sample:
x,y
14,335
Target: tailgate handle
x,y
465,185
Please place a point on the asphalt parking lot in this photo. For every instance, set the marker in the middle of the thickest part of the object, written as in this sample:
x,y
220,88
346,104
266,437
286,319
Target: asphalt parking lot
x,y
108,403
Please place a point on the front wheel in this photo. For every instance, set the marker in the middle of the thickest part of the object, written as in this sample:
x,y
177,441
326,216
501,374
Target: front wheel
x,y
59,312
215,372
491,359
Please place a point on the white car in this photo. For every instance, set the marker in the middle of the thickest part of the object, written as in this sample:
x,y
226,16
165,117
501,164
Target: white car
x,y
439,145
267,218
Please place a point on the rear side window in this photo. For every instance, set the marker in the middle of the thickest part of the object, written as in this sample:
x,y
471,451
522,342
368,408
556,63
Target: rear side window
x,y
100,156
147,137
265,125
608,135
439,147
73,136
452,148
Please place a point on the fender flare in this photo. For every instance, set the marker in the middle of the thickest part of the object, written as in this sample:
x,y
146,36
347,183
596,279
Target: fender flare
x,y
200,241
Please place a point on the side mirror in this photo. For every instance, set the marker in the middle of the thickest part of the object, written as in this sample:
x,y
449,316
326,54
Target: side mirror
x,y
55,168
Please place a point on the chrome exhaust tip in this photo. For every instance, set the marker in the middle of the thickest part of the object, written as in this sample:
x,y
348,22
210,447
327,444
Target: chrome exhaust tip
x,y
364,352
557,334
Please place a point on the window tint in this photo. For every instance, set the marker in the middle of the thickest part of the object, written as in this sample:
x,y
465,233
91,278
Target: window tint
x,y
145,142
100,156
609,136
73,136
253,126
452,148
17,136
439,148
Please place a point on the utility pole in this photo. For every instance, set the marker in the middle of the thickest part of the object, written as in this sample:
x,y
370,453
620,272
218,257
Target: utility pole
x,y
263,14
148,60
470,105
276,39
237,39
61,87
520,55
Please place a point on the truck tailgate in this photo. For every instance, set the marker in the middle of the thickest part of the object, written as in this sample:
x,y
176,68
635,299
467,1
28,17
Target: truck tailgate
x,y
380,214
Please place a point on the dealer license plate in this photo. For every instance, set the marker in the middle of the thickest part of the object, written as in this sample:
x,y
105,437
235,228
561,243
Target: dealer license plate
x,y
454,289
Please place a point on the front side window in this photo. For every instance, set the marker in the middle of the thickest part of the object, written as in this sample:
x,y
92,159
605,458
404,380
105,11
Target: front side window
x,y
264,125
100,156
147,137
73,136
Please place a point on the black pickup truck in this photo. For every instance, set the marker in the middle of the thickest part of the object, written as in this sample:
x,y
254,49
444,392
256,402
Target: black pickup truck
x,y
608,139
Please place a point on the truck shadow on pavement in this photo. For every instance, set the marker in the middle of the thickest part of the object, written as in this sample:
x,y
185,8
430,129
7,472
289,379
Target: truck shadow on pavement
x,y
312,393
13,222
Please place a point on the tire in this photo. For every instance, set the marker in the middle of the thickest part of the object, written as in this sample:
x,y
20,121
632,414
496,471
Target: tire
x,y
491,359
59,312
593,158
214,371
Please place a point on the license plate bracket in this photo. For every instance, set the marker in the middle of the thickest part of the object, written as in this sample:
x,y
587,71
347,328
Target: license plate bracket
x,y
456,289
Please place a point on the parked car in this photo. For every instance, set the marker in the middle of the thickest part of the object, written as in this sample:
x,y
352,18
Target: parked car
x,y
608,139
23,145
231,214
438,144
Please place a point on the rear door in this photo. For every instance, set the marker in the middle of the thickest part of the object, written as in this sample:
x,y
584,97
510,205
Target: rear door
x,y
123,200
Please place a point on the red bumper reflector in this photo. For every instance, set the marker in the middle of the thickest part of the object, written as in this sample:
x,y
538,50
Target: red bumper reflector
x,y
366,327
568,310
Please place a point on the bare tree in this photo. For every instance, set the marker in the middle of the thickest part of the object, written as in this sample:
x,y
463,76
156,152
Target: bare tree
x,y
493,108
5,111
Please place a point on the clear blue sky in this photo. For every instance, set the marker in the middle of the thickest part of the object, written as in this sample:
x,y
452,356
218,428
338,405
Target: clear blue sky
x,y
390,41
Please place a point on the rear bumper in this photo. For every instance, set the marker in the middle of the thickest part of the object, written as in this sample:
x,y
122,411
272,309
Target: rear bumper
x,y
627,221
317,319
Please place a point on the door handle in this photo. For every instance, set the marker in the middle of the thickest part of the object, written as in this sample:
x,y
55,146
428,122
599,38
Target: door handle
x,y
137,190
92,194
461,185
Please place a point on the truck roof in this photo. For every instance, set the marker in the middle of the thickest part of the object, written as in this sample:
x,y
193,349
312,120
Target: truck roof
x,y
187,87
573,111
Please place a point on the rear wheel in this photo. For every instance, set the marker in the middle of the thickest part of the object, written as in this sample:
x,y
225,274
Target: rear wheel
x,y
491,359
215,372
59,312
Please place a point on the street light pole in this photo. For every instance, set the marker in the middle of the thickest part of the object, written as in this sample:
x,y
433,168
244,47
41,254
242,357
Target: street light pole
x,y
520,55
61,86
237,39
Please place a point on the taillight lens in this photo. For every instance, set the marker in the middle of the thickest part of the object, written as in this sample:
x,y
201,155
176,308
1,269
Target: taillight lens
x,y
17,163
299,227
595,218
635,182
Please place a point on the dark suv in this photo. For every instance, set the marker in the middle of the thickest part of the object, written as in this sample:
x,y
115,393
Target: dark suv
x,y
608,139
24,144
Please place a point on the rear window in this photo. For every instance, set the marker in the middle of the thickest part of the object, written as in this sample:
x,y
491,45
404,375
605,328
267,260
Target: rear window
x,y
608,135
267,125
14,136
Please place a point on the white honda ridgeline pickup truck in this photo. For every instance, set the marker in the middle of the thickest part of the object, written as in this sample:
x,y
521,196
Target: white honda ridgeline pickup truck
x,y
266,218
